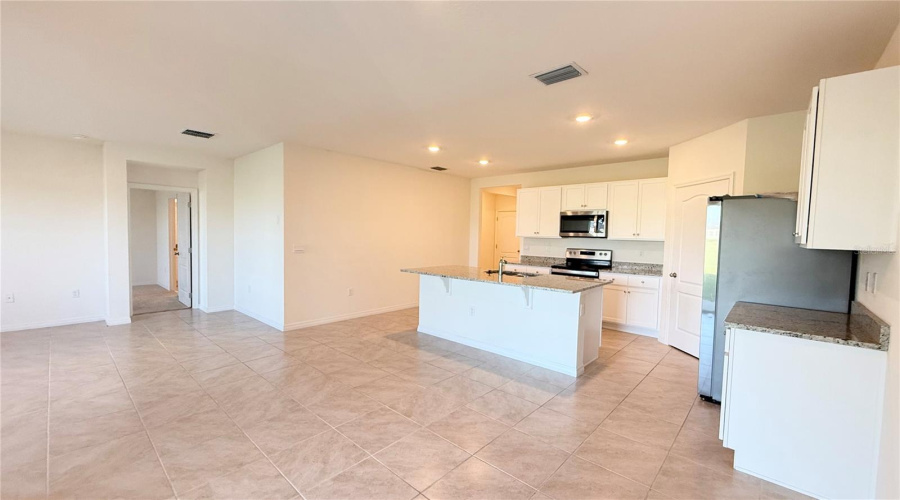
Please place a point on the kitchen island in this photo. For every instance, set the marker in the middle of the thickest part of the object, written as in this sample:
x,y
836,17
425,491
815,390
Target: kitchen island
x,y
547,320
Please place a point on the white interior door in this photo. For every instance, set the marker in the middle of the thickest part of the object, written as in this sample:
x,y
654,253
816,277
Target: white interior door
x,y
506,243
183,214
688,245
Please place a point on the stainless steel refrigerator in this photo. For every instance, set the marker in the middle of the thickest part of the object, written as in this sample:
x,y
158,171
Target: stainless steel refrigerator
x,y
751,257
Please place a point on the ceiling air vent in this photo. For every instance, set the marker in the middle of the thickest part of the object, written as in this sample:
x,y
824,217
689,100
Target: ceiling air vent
x,y
560,74
439,169
197,133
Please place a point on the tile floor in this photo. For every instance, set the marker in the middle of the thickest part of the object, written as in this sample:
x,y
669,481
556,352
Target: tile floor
x,y
192,405
154,298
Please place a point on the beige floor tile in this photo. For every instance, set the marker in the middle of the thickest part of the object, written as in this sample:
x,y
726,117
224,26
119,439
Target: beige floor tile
x,y
579,479
67,436
504,407
703,418
284,429
681,360
549,376
252,400
488,376
377,430
359,375
636,461
368,479
258,479
531,389
425,375
193,466
680,478
156,413
556,429
23,439
581,407
704,449
455,362
675,374
468,429
461,388
122,468
210,363
475,479
320,457
223,375
315,388
422,458
599,388
425,407
343,406
390,389
620,363
661,399
26,482
256,352
396,363
526,458
274,362
771,491
186,432
641,427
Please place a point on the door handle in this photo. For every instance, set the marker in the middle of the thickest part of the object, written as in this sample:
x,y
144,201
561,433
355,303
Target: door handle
x,y
673,275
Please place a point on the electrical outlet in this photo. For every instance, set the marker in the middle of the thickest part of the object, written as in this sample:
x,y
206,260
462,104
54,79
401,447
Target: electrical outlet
x,y
349,292
471,311
76,294
9,298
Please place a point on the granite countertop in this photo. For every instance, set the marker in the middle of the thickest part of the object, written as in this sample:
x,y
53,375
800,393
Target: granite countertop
x,y
636,268
860,328
554,283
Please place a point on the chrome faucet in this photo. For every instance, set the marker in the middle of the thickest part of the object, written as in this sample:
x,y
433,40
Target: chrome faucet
x,y
502,264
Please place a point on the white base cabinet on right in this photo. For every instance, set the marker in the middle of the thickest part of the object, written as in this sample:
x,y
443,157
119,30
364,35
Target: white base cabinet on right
x,y
802,413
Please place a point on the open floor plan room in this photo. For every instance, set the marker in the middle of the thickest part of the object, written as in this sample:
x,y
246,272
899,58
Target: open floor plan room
x,y
479,250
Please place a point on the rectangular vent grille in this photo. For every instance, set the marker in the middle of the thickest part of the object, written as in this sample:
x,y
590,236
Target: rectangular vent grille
x,y
197,133
439,169
560,74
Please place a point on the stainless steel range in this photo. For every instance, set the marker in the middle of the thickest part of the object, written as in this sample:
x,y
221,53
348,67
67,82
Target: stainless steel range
x,y
584,262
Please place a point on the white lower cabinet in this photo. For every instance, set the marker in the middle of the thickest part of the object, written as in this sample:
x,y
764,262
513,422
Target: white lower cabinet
x,y
802,413
631,303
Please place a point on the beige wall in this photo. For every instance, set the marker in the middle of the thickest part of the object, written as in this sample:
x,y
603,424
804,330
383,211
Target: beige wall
x,y
488,226
142,236
259,195
886,304
774,144
722,152
641,169
359,221
51,228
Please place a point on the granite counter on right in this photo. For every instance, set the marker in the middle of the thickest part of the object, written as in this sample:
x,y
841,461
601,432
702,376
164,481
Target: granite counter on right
x,y
802,397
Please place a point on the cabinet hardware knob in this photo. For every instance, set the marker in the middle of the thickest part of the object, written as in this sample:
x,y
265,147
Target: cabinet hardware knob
x,y
796,234
673,275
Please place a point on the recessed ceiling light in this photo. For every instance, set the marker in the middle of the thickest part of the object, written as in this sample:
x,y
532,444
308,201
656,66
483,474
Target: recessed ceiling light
x,y
484,162
621,142
434,148
583,118
79,136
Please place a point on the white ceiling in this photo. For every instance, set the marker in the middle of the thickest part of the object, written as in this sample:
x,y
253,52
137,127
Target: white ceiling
x,y
384,80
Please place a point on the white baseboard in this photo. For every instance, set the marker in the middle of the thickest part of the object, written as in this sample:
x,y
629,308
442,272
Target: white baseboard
x,y
51,323
484,346
145,283
259,317
216,309
118,321
637,330
341,317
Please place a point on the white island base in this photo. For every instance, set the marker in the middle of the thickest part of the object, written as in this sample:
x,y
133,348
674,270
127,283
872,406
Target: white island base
x,y
556,330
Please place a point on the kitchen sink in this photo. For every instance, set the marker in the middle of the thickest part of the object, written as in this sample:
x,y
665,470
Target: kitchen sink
x,y
512,273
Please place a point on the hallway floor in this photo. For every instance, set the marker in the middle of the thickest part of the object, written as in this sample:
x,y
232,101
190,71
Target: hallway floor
x,y
154,298
193,405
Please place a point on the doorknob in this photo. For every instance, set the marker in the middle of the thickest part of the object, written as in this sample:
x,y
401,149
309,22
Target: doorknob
x,y
673,275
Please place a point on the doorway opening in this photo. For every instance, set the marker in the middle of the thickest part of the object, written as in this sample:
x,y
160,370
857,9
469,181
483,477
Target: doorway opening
x,y
162,237
497,238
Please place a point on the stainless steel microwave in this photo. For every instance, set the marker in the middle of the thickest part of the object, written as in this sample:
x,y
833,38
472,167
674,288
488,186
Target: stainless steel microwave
x,y
583,224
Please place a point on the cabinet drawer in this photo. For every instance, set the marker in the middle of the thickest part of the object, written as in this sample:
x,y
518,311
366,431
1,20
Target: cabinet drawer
x,y
643,282
618,279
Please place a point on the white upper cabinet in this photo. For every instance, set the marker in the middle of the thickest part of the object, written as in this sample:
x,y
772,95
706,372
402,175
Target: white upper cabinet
x,y
637,210
537,212
851,164
584,196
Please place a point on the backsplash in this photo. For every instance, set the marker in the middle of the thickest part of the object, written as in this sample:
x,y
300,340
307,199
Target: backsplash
x,y
645,252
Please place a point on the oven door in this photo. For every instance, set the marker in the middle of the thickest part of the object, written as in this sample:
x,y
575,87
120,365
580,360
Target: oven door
x,y
583,224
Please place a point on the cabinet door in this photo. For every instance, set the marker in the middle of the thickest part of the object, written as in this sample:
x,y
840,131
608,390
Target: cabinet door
x,y
528,208
652,210
595,196
548,225
623,210
614,305
572,197
806,169
643,308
